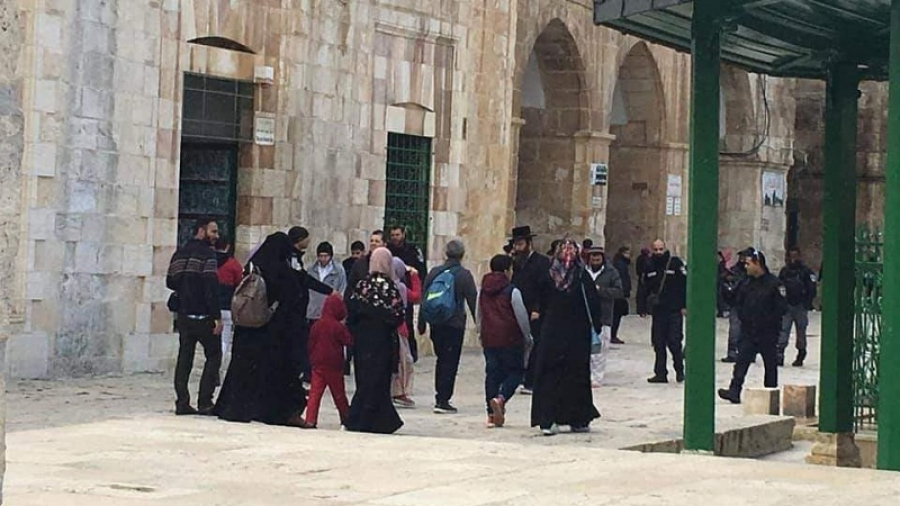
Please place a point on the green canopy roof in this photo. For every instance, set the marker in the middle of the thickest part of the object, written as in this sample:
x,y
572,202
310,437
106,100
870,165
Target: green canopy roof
x,y
786,38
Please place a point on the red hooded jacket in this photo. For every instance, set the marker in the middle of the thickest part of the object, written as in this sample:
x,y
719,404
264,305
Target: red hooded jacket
x,y
328,336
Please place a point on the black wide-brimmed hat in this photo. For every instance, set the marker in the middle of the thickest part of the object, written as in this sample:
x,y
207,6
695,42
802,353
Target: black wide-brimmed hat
x,y
522,233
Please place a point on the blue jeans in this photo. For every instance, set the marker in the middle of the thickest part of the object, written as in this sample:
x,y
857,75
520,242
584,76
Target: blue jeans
x,y
503,372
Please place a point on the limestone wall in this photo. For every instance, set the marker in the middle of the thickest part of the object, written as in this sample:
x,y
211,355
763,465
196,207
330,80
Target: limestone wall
x,y
102,108
11,147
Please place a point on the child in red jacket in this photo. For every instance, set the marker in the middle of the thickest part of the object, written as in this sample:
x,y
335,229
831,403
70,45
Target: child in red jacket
x,y
327,340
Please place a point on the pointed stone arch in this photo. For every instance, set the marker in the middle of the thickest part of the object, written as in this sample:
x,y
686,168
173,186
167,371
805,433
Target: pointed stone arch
x,y
551,104
637,175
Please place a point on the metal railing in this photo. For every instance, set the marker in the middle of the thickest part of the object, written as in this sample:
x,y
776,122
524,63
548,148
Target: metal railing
x,y
867,327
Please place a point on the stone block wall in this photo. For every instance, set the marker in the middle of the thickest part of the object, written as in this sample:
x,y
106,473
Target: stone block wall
x,y
102,98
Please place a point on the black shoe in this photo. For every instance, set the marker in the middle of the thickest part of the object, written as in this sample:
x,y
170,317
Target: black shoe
x,y
616,340
185,409
801,356
658,379
729,360
206,410
726,394
679,377
780,361
445,408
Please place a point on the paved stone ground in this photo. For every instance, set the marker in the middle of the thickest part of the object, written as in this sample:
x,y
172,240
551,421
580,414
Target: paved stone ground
x,y
114,441
633,411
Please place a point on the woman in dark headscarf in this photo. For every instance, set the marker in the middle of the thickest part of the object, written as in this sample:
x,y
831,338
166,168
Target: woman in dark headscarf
x,y
562,383
376,309
263,381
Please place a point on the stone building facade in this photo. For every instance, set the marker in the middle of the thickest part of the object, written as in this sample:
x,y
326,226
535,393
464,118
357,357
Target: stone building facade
x,y
462,118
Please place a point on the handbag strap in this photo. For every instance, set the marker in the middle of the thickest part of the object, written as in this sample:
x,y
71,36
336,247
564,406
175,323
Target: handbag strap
x,y
587,307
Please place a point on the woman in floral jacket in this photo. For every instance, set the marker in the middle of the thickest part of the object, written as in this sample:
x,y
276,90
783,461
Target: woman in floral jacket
x,y
376,310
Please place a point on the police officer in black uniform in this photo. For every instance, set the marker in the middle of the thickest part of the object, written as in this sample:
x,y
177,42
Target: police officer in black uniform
x,y
760,304
666,296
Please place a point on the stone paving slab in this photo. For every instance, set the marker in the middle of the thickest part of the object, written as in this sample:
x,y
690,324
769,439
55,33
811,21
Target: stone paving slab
x,y
634,412
160,459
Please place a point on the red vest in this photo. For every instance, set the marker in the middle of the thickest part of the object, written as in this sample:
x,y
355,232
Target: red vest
x,y
499,328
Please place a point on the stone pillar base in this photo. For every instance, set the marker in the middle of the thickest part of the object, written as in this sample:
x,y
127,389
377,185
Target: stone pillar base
x,y
836,450
799,401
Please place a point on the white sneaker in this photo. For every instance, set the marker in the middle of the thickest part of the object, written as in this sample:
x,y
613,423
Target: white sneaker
x,y
526,391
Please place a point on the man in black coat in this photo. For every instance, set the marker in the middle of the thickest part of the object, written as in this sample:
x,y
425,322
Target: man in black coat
x,y
531,275
412,257
666,292
760,304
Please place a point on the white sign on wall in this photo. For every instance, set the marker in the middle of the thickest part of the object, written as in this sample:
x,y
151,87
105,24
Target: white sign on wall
x,y
773,189
264,129
673,186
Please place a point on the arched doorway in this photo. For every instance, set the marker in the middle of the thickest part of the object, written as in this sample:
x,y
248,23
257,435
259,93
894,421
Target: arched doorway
x,y
636,199
552,102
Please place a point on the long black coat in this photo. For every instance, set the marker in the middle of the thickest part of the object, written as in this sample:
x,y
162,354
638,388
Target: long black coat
x,y
562,382
531,276
263,380
375,355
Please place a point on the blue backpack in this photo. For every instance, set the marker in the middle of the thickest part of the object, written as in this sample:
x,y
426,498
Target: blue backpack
x,y
439,303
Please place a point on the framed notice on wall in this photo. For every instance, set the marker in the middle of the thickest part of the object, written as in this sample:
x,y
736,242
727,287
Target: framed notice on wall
x,y
773,189
673,186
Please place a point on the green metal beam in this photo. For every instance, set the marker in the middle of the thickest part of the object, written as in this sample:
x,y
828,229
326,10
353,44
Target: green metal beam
x,y
703,227
839,209
888,371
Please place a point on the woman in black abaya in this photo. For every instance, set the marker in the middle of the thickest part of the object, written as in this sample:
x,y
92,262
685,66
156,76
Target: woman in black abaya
x,y
375,311
263,380
562,383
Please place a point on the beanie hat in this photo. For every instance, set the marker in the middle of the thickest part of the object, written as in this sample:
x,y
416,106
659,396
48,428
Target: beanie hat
x,y
325,247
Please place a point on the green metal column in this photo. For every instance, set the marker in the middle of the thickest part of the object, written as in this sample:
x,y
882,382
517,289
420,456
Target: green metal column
x,y
703,227
888,372
839,210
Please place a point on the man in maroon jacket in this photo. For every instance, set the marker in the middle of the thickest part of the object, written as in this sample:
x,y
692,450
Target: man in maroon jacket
x,y
505,333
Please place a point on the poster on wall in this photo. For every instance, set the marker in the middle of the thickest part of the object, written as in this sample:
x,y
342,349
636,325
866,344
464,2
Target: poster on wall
x,y
773,189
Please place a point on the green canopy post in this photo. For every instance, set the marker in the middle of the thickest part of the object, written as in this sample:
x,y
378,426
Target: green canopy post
x,y
888,372
703,227
839,210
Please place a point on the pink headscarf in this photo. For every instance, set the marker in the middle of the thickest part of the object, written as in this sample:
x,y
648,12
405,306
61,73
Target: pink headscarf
x,y
380,262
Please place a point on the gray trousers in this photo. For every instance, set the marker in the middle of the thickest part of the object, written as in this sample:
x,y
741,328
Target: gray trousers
x,y
796,316
734,333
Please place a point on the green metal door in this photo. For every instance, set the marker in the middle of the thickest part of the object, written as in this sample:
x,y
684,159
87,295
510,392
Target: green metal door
x,y
407,200
208,187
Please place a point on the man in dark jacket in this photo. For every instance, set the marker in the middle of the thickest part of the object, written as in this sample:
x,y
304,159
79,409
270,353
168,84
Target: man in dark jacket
x,y
760,305
800,286
622,263
192,276
505,332
361,266
531,275
357,250
666,288
609,288
447,337
412,257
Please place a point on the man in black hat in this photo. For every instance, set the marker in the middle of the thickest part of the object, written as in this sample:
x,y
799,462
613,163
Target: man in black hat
x,y
531,275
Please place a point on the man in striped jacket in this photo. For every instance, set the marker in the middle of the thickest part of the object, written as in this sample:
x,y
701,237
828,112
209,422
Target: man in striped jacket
x,y
192,276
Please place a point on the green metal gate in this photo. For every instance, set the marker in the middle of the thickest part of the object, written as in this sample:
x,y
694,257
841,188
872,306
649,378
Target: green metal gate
x,y
867,325
409,186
